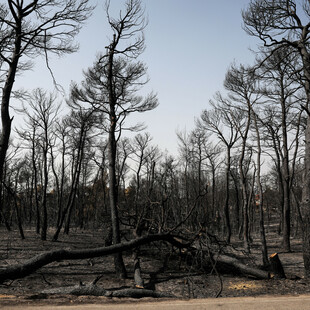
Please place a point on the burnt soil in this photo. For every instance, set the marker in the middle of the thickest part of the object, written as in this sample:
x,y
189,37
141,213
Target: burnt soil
x,y
176,277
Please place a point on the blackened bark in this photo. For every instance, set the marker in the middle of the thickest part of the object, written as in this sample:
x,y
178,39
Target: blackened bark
x,y
76,180
35,180
18,216
261,194
306,185
286,176
113,186
306,203
74,184
276,266
44,194
243,184
235,264
94,290
6,120
226,204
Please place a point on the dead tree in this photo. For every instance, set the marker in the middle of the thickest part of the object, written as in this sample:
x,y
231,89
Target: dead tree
x,y
260,191
41,112
91,289
31,265
281,94
213,121
81,123
280,24
29,29
239,82
29,134
111,87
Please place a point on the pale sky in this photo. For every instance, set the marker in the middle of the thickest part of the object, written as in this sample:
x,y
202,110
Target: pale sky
x,y
190,44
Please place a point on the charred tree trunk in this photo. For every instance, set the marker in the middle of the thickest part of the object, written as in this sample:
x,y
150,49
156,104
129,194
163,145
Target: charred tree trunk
x,y
243,167
35,180
234,263
286,176
6,120
76,169
44,194
276,266
76,178
92,289
112,146
226,204
261,194
306,202
18,216
3,217
306,185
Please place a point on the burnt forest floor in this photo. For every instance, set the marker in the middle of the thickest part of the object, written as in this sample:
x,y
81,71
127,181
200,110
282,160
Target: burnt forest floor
x,y
177,278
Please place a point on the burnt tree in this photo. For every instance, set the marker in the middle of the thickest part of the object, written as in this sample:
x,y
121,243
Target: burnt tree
x,y
111,87
29,29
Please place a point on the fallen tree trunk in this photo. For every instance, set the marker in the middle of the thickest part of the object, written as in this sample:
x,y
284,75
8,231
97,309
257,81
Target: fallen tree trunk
x,y
95,290
242,268
31,265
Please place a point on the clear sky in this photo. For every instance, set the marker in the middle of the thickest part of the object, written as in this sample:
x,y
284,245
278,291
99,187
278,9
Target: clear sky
x,y
190,45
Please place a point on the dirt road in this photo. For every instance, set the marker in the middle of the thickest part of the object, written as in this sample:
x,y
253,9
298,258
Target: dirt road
x,y
244,303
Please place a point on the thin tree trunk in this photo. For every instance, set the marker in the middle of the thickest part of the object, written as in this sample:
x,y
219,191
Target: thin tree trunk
x,y
17,211
286,177
58,185
261,195
35,181
243,180
226,204
76,167
44,195
6,223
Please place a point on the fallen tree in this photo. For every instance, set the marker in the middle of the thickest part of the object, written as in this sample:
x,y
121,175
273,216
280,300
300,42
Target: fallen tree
x,y
31,265
92,289
242,268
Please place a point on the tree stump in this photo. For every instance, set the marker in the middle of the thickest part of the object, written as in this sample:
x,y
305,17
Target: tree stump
x,y
276,266
137,272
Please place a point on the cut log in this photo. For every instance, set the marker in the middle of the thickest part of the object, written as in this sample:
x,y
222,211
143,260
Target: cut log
x,y
139,293
276,266
234,263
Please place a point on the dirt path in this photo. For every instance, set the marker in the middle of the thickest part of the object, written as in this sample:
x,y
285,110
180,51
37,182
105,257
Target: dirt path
x,y
238,303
